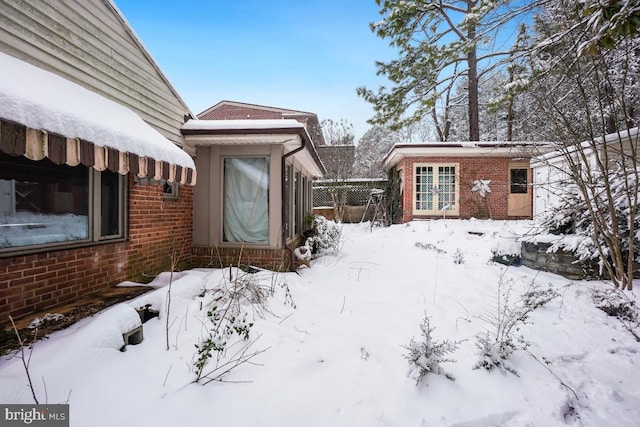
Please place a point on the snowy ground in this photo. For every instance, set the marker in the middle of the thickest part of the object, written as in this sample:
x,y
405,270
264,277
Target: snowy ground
x,y
336,359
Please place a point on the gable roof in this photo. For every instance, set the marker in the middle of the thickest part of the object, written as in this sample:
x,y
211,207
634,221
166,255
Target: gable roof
x,y
234,110
224,109
91,44
78,86
143,49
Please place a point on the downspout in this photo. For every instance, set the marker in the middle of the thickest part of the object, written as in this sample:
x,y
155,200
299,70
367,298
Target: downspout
x,y
292,262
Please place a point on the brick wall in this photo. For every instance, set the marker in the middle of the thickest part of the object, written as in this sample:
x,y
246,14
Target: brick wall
x,y
36,282
470,168
272,259
236,112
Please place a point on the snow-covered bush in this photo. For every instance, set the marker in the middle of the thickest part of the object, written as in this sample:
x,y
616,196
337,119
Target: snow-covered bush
x,y
327,235
570,218
429,247
493,353
458,257
504,336
426,356
617,304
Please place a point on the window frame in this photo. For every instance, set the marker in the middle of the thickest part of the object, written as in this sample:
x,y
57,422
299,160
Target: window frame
x,y
221,238
94,225
436,196
287,199
519,185
96,215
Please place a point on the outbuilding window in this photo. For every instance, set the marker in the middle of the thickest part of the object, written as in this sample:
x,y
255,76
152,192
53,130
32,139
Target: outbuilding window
x,y
518,181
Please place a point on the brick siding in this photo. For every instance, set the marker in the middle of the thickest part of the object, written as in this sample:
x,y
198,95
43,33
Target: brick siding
x,y
471,205
157,227
272,259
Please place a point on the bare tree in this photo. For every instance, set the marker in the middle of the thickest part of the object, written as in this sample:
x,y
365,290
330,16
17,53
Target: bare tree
x,y
338,157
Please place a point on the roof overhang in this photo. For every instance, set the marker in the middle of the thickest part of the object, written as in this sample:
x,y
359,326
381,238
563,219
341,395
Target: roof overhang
x,y
44,115
291,134
520,150
625,140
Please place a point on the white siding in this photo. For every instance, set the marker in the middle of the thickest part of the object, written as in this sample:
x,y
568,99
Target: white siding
x,y
87,42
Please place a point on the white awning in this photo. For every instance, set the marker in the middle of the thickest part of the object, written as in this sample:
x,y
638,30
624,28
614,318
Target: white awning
x,y
45,115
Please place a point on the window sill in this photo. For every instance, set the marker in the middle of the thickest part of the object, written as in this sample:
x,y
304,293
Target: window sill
x,y
8,253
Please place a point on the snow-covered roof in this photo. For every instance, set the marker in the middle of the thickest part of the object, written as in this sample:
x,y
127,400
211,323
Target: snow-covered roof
x,y
588,145
463,149
269,124
291,134
42,100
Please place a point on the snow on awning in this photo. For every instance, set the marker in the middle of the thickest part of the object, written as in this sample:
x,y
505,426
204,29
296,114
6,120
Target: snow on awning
x,y
43,115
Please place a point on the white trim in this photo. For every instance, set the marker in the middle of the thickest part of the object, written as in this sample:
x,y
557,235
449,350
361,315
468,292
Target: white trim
x,y
435,210
462,149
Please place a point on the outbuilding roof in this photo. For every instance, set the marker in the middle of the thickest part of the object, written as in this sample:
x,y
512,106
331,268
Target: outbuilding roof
x,y
463,149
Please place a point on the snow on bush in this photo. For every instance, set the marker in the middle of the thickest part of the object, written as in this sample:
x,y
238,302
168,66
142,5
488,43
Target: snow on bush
x,y
458,257
570,220
618,304
327,235
426,356
493,353
504,336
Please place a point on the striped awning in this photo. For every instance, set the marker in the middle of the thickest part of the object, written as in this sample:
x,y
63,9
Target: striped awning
x,y
34,144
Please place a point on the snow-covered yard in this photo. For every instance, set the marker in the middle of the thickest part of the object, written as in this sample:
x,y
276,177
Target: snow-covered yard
x,y
334,339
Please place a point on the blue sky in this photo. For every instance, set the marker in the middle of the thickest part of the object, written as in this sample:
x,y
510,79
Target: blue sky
x,y
307,55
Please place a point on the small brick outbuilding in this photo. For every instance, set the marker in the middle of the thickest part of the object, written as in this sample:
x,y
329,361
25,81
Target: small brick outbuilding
x,y
464,179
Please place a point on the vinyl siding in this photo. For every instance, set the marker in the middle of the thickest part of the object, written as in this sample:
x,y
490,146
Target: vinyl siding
x,y
86,41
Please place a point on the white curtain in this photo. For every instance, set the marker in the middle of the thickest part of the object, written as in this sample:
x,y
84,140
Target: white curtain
x,y
246,200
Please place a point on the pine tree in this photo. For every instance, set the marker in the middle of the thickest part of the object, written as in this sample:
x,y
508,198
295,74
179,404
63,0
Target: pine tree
x,y
439,43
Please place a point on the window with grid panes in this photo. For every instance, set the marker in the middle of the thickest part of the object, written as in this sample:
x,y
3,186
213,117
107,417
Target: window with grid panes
x,y
436,189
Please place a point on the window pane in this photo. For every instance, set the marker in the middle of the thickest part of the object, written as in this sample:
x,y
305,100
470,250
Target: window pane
x,y
297,202
446,187
110,201
41,202
288,202
246,200
424,188
518,181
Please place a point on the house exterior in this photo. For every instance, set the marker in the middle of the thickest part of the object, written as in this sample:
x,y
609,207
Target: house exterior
x,y
234,110
95,188
337,159
464,180
551,170
254,191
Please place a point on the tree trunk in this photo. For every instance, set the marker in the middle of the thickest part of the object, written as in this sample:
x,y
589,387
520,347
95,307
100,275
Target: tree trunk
x,y
510,121
472,62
